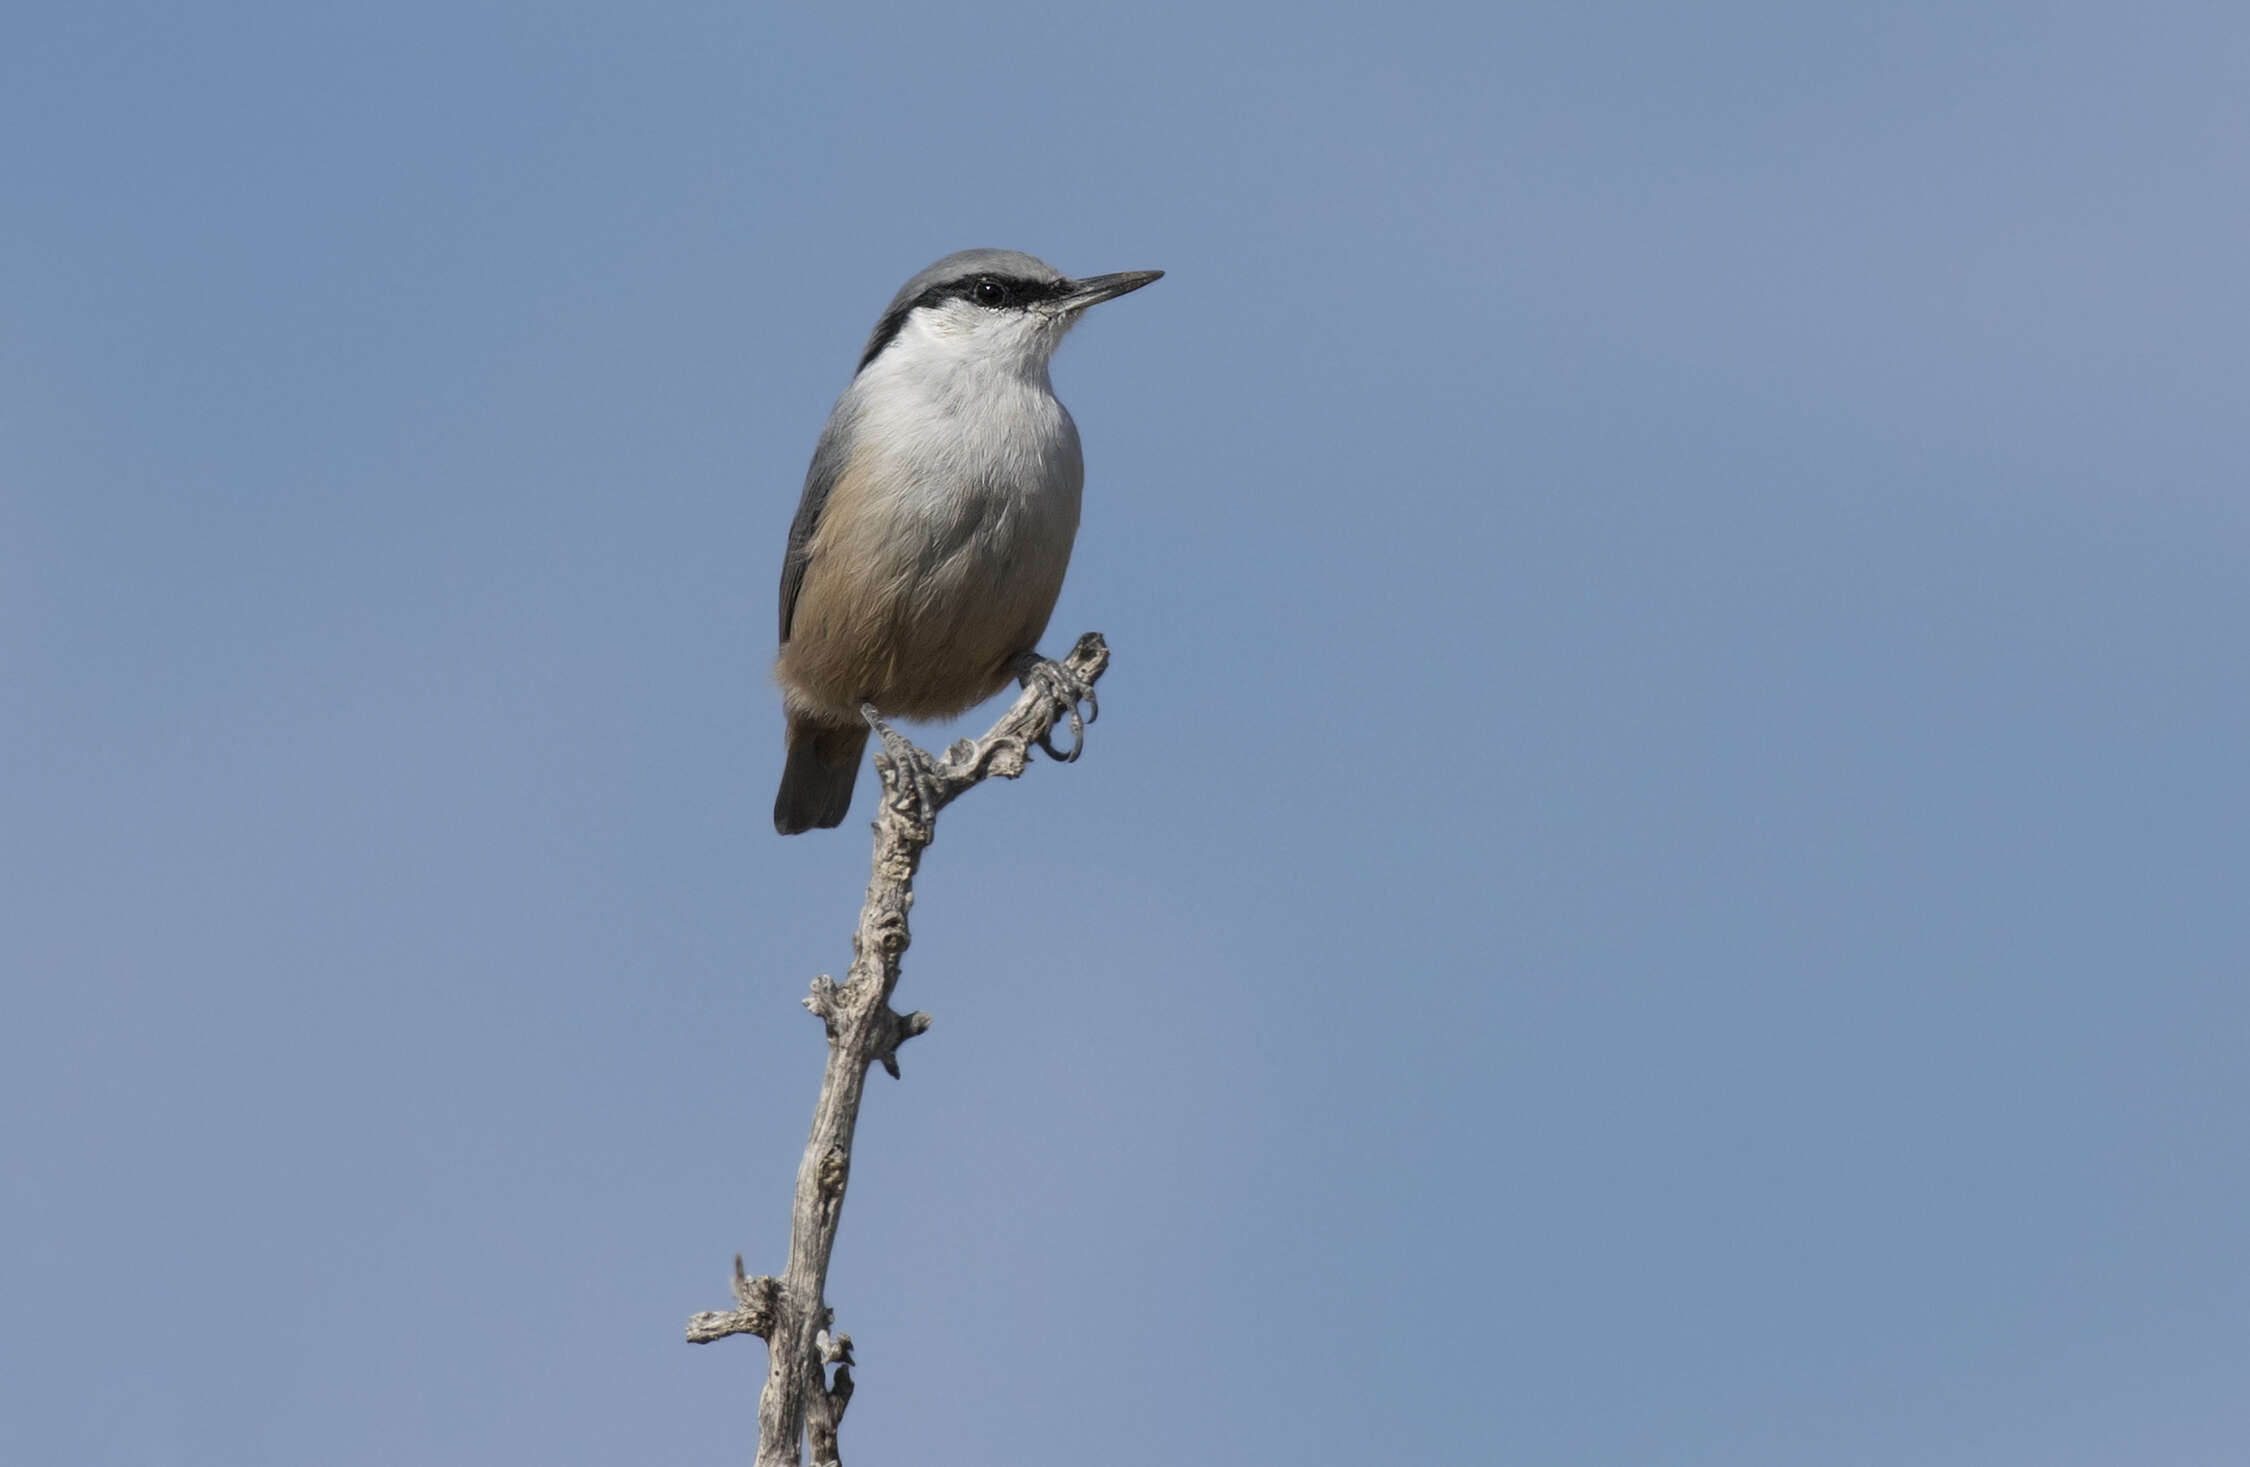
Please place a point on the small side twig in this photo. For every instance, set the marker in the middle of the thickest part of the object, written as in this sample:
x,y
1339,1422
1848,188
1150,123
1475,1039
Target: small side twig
x,y
801,1400
754,1300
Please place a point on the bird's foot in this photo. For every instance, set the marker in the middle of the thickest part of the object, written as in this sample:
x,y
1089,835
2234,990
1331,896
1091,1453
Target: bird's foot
x,y
1065,692
906,771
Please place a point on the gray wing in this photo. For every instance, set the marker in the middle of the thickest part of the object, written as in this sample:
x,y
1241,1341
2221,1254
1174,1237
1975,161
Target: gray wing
x,y
827,466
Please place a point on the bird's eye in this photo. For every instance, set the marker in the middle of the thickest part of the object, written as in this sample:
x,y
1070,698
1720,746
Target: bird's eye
x,y
991,292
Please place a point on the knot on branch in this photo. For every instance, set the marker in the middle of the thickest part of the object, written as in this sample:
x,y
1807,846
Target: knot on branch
x,y
833,1349
888,933
1003,758
835,1169
825,1002
757,1301
897,1029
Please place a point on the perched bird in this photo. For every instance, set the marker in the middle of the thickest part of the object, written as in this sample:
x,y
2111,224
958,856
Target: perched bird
x,y
937,516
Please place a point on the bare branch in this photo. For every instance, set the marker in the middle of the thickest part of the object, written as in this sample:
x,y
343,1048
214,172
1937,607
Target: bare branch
x,y
800,1402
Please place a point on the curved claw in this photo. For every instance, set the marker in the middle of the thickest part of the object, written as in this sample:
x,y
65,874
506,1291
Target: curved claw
x,y
1077,740
1066,693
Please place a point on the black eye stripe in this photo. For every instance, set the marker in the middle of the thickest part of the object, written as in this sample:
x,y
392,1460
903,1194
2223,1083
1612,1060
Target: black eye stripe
x,y
1014,290
1021,291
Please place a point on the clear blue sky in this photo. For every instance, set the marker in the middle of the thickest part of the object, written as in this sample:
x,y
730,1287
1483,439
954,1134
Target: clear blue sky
x,y
1663,879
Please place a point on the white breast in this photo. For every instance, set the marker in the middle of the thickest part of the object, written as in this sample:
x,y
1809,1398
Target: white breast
x,y
968,457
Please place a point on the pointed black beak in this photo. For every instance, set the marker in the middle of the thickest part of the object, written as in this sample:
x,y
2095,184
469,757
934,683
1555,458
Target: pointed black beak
x,y
1095,289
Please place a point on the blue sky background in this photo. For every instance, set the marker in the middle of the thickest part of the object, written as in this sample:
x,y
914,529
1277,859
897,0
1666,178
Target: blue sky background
x,y
1663,880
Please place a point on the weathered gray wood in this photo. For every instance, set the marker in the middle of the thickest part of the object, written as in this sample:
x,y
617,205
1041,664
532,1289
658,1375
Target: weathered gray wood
x,y
800,1400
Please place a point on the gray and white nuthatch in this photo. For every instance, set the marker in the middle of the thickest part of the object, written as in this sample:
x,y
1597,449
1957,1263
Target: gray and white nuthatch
x,y
937,517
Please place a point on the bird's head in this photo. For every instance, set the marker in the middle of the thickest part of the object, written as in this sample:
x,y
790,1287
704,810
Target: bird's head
x,y
998,308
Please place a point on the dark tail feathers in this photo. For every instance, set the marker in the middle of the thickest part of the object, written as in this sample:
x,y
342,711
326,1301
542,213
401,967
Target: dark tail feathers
x,y
816,783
